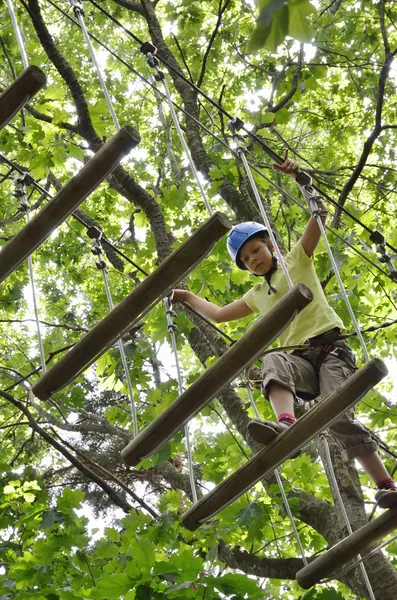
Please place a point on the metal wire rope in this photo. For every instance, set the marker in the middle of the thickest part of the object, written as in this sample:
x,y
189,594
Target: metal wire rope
x,y
95,235
20,192
335,486
171,329
220,108
18,34
241,155
79,13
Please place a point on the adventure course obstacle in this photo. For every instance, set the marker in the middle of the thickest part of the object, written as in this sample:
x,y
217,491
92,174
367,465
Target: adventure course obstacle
x,y
216,377
157,285
286,444
121,318
329,562
15,97
69,197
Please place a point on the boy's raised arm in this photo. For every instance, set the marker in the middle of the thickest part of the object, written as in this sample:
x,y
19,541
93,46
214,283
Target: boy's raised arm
x,y
218,314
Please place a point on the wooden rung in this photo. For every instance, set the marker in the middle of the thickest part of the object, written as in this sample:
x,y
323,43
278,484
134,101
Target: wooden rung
x,y
69,197
347,549
286,444
20,92
208,385
166,277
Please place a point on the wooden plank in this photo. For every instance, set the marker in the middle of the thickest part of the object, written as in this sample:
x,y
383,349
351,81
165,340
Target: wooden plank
x,y
69,197
347,549
208,385
286,444
14,98
170,272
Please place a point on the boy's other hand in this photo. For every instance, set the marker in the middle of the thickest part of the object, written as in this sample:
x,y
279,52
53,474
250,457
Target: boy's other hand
x,y
289,166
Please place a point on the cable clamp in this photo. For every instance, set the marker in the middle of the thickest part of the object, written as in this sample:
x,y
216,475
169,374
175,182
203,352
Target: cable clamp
x,y
77,8
24,179
379,240
150,52
101,265
94,233
235,124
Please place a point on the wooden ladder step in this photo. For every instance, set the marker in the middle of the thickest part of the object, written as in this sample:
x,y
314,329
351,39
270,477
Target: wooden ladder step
x,y
14,98
210,383
69,197
286,444
340,554
166,277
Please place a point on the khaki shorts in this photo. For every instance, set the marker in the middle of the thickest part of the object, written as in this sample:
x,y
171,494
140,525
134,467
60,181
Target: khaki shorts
x,y
296,373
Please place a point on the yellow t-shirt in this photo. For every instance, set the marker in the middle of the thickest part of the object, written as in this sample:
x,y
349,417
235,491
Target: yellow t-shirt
x,y
318,317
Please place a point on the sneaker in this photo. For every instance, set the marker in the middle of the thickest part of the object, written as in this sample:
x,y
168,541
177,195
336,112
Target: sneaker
x,y
265,432
387,498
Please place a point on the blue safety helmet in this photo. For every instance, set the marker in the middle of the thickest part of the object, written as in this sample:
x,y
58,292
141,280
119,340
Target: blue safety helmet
x,y
240,234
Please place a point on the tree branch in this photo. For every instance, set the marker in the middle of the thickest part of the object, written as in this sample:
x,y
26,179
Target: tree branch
x,y
91,475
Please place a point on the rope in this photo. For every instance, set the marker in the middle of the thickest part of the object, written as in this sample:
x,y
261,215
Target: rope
x,y
152,61
334,483
269,151
171,329
311,197
279,481
18,35
79,13
95,234
20,192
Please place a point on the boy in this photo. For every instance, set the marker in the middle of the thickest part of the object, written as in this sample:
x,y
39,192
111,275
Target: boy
x,y
312,372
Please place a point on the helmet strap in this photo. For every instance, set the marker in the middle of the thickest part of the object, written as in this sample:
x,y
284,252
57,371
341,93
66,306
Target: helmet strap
x,y
268,276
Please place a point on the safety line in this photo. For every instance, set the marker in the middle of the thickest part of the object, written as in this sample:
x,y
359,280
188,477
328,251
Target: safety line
x,y
152,62
316,213
278,479
79,13
243,158
296,201
20,192
343,509
171,330
95,234
18,35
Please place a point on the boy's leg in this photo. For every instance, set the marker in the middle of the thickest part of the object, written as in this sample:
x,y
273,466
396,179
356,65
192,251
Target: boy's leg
x,y
356,441
282,374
